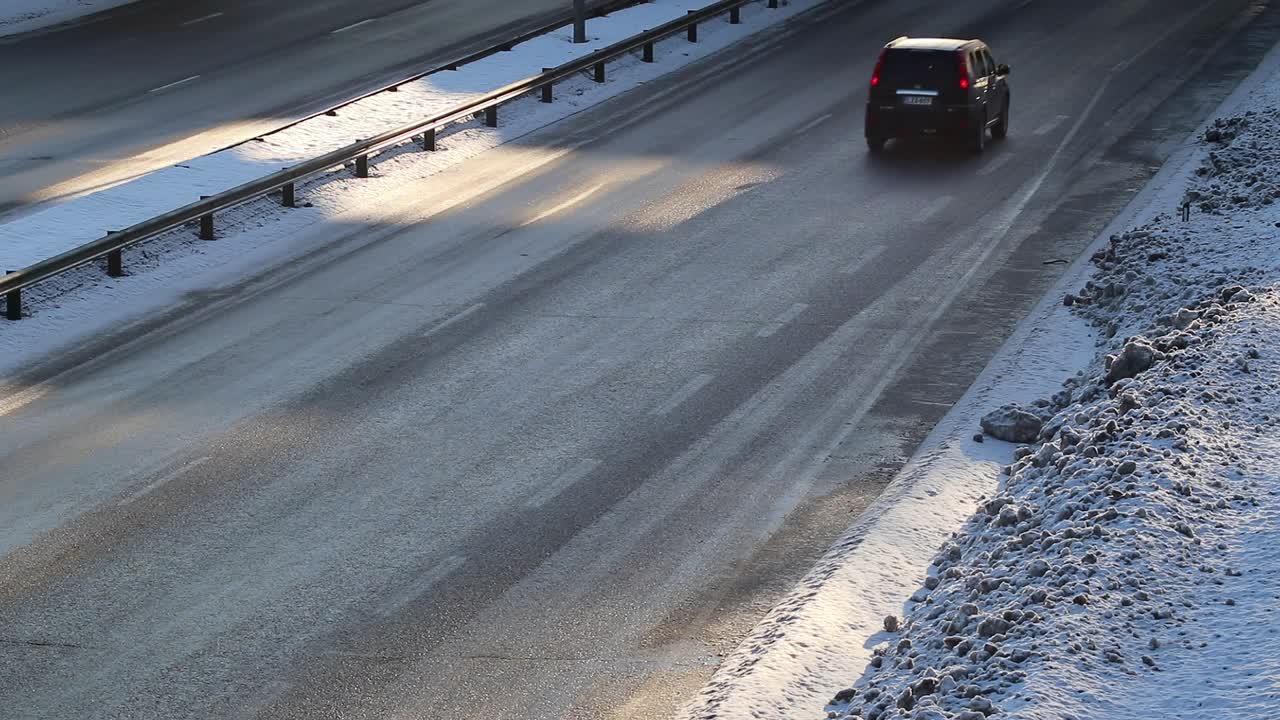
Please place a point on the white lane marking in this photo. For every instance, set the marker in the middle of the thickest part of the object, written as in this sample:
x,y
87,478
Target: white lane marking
x,y
165,480
997,163
567,479
1050,125
195,21
781,321
853,267
455,319
183,81
934,207
21,399
352,26
686,391
814,123
563,206
420,585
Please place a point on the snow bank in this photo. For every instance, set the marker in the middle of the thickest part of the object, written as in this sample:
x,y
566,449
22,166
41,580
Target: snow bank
x,y
19,16
1129,564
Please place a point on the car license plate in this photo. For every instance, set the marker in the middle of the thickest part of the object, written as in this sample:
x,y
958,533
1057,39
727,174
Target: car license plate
x,y
917,100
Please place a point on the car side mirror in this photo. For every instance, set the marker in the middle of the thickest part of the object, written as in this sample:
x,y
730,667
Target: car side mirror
x,y
1002,69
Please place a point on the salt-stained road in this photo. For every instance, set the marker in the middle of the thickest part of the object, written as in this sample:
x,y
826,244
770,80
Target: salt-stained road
x,y
546,453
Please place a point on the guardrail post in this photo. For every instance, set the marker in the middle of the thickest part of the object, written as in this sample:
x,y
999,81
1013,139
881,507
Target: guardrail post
x,y
735,16
115,259
599,72
429,139
648,53
287,198
546,89
693,29
579,21
491,116
206,223
13,303
362,166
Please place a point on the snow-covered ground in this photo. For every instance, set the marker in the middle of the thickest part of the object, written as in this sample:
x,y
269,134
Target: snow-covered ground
x,y
19,16
1129,566
252,236
1122,560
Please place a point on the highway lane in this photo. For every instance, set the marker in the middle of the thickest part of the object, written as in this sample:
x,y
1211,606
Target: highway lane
x,y
548,451
157,82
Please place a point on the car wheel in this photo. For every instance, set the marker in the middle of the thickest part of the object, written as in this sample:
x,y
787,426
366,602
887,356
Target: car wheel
x,y
979,142
1001,129
875,143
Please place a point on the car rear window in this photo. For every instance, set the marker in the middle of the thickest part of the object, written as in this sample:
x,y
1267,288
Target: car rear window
x,y
918,67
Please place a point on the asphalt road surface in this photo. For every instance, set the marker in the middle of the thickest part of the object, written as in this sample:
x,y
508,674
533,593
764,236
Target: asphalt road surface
x,y
157,82
551,450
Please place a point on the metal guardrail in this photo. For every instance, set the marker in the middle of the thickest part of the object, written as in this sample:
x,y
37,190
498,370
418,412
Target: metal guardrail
x,y
595,9
113,245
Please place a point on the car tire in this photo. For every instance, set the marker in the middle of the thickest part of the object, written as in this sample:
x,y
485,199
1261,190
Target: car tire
x,y
1000,130
979,142
875,143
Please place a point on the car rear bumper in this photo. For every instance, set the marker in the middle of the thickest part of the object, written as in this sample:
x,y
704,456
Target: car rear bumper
x,y
888,121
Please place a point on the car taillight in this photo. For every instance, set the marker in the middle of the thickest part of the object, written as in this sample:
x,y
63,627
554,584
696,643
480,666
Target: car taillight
x,y
875,75
964,72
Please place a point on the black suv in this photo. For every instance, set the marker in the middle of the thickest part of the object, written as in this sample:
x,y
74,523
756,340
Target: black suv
x,y
937,86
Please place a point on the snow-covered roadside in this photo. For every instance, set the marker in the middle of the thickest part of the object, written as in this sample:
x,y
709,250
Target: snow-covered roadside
x,y
19,16
1170,548
1129,564
256,235
59,228
1129,567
